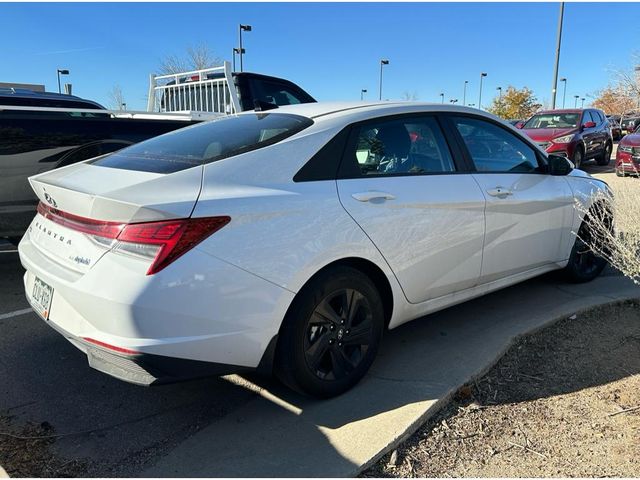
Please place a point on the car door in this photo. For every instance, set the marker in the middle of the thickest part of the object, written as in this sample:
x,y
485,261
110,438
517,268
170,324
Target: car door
x,y
589,135
603,129
529,212
407,190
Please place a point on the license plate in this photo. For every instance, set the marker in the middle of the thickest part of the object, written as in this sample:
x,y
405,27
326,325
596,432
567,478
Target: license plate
x,y
41,297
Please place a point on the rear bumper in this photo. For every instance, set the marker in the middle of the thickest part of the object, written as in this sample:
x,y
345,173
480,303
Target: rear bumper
x,y
143,368
199,316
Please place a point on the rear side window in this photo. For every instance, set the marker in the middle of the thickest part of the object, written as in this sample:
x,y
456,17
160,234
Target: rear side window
x,y
407,146
206,142
494,149
277,93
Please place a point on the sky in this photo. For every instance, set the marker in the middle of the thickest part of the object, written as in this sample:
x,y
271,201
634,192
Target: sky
x,y
332,50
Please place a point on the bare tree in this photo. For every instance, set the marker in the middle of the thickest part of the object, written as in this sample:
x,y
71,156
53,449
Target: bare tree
x,y
627,84
617,241
197,57
409,96
116,98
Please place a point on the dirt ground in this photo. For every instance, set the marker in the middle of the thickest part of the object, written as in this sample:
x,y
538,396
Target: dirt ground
x,y
562,402
25,453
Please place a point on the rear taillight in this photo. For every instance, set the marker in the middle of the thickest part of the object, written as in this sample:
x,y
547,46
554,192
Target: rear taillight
x,y
164,242
161,242
81,224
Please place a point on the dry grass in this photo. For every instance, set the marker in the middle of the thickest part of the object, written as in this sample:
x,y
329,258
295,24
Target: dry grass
x,y
618,243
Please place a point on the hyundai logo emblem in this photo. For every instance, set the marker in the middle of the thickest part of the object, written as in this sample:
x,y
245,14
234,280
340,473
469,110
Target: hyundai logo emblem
x,y
50,200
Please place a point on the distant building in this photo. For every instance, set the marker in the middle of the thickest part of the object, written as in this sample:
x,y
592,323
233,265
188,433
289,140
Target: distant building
x,y
27,86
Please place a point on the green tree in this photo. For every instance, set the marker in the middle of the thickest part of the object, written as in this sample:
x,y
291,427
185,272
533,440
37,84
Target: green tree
x,y
515,104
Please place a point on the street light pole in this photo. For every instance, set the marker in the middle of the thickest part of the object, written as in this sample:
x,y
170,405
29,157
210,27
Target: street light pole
x,y
637,71
61,71
564,91
362,92
442,98
575,105
239,51
483,74
464,93
582,105
555,68
245,28
382,62
453,100
499,93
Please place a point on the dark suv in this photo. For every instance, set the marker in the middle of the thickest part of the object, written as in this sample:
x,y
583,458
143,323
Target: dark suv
x,y
40,138
28,98
577,134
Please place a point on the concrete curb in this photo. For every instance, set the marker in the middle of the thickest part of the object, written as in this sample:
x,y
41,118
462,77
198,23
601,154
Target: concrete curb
x,y
446,399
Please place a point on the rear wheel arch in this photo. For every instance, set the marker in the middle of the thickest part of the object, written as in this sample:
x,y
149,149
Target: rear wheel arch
x,y
372,271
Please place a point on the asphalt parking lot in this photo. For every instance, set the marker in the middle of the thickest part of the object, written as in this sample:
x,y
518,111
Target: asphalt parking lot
x,y
46,379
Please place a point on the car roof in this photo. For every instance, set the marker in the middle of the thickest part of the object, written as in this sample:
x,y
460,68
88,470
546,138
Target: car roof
x,y
322,112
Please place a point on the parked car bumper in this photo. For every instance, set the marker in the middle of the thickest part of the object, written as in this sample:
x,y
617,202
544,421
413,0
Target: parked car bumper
x,y
627,163
563,149
161,328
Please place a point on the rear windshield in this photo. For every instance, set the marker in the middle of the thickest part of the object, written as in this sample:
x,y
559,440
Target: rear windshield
x,y
206,142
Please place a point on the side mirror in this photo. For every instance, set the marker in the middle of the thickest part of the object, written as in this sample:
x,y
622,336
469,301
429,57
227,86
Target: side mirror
x,y
519,125
589,125
559,165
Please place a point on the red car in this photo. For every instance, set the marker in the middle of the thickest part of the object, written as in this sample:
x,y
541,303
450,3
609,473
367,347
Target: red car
x,y
578,134
628,155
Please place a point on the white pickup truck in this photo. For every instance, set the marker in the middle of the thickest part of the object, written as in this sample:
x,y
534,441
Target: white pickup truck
x,y
208,91
43,131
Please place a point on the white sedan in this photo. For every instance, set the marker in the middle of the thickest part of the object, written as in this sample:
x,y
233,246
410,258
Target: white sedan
x,y
288,240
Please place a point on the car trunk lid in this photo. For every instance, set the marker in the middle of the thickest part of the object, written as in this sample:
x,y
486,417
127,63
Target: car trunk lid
x,y
82,205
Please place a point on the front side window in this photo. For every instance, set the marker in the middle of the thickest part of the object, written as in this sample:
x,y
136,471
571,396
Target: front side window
x,y
411,146
206,142
494,149
586,117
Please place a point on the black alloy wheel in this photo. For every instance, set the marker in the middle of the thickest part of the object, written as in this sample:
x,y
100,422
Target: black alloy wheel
x,y
339,333
606,155
578,157
331,333
584,264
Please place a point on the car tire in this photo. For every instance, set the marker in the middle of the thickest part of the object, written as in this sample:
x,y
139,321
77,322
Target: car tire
x,y
584,265
605,158
578,157
330,334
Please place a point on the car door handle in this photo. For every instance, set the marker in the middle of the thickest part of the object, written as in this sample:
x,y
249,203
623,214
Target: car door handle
x,y
499,192
372,195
